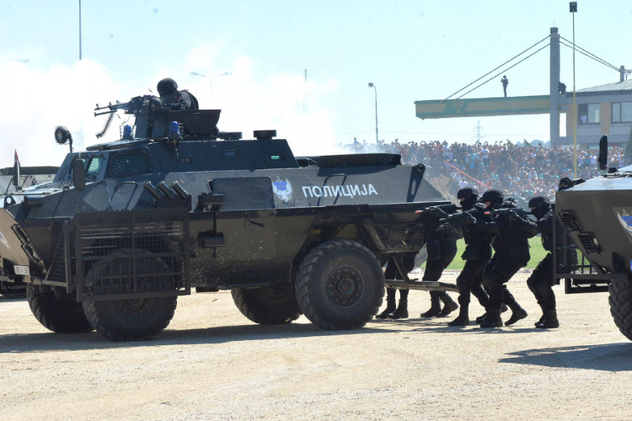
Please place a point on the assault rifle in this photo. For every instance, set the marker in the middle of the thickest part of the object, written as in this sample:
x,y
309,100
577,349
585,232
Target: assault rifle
x,y
459,218
512,213
438,211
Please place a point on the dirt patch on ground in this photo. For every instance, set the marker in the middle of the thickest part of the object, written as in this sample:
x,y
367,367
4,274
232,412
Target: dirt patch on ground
x,y
212,363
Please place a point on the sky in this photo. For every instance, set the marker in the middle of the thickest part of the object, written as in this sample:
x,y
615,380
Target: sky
x,y
300,67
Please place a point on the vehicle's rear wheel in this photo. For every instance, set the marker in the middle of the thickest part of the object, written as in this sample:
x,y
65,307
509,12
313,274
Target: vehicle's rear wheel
x,y
272,305
58,313
129,319
340,285
621,306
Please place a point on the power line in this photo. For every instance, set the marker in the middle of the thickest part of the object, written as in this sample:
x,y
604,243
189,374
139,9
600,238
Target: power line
x,y
501,72
493,70
589,54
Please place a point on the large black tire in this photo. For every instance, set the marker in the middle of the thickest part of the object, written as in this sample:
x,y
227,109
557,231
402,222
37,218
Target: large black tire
x,y
340,285
60,314
273,305
621,306
129,319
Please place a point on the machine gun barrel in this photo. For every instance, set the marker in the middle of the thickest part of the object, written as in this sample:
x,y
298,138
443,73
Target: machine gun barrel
x,y
111,108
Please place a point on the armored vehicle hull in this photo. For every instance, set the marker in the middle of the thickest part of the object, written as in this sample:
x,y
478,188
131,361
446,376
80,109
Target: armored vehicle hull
x,y
128,226
595,217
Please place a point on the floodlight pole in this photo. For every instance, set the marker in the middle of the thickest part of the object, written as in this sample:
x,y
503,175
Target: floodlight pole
x,y
79,29
371,85
573,10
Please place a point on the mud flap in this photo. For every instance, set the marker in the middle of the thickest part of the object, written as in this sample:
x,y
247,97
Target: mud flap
x,y
16,249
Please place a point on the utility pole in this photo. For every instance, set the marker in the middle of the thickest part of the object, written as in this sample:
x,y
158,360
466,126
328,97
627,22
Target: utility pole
x,y
372,85
573,10
79,29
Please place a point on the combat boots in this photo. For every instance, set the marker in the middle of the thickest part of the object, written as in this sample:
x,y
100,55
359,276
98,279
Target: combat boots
x,y
482,318
550,320
449,305
390,307
541,318
493,319
402,310
435,306
517,313
463,319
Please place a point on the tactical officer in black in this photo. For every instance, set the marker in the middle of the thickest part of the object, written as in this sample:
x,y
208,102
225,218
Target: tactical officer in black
x,y
441,247
542,279
511,247
391,272
478,251
174,99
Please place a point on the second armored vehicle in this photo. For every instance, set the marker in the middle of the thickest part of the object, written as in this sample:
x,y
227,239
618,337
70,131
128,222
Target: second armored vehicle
x,y
594,237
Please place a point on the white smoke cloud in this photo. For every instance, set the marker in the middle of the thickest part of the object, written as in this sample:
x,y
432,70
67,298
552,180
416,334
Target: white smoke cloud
x,y
43,100
249,97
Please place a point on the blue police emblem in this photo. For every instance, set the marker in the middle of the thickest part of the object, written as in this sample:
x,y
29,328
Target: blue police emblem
x,y
282,189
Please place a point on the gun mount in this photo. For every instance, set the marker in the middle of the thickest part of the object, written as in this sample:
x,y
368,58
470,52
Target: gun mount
x,y
153,118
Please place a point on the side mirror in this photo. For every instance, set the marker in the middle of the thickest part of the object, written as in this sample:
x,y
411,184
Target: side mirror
x,y
603,153
78,174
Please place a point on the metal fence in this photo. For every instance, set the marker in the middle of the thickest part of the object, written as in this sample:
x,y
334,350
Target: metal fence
x,y
131,254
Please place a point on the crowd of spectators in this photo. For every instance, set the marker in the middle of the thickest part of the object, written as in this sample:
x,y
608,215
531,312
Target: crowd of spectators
x,y
519,170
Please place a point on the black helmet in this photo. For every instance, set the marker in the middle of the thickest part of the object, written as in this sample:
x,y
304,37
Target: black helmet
x,y
495,197
540,206
469,196
167,86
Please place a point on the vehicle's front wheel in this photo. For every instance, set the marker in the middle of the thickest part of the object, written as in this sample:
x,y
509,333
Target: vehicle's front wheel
x,y
621,306
272,305
129,319
340,285
57,313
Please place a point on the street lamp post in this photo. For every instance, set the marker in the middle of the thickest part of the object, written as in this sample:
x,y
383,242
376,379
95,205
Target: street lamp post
x,y
212,77
573,10
371,85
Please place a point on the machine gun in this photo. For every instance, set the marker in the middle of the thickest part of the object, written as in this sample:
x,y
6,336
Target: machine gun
x,y
147,106
133,106
154,118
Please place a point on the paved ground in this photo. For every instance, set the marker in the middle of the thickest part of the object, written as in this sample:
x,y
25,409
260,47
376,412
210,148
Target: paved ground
x,y
212,363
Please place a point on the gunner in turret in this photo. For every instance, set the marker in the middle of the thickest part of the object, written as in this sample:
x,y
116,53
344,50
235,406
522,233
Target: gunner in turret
x,y
174,99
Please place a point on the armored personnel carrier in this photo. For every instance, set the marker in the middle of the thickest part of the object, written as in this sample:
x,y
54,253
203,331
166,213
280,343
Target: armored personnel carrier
x,y
126,227
594,237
